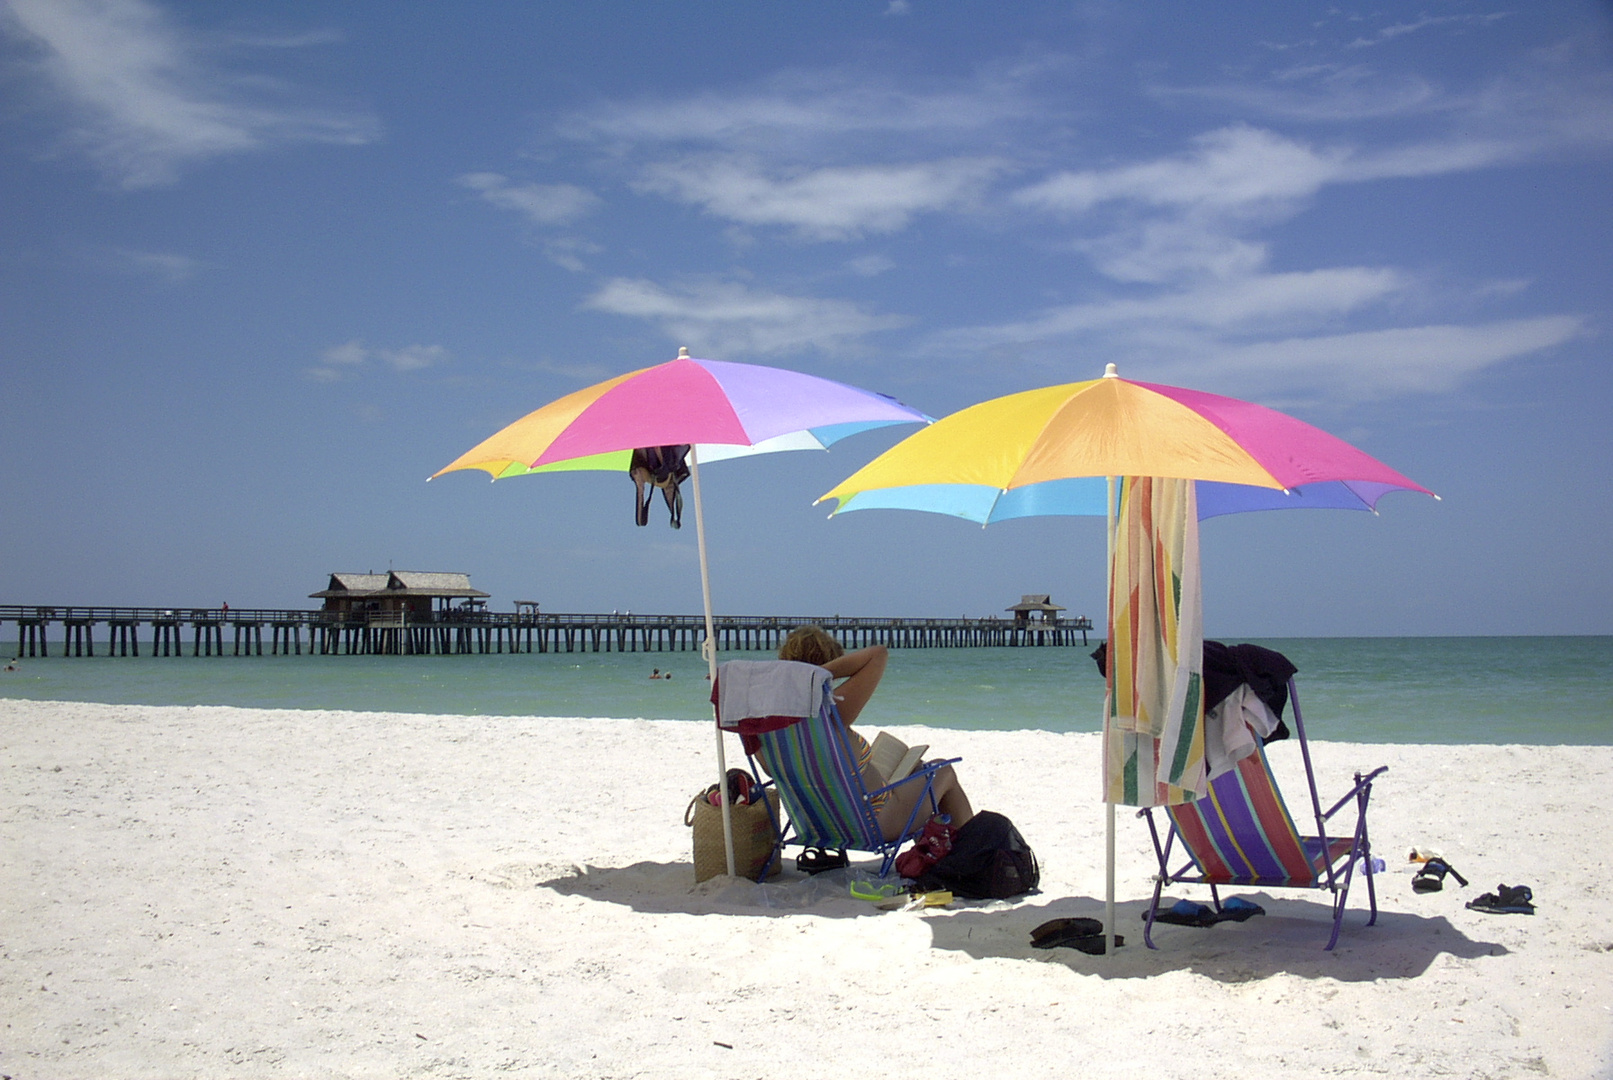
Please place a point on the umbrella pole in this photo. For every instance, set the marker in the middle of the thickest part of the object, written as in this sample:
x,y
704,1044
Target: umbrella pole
x,y
1109,831
709,649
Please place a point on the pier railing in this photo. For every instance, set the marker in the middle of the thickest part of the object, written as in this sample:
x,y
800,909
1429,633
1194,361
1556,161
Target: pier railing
x,y
481,631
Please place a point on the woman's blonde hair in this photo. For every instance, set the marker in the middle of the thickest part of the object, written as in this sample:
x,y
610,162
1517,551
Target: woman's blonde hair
x,y
810,644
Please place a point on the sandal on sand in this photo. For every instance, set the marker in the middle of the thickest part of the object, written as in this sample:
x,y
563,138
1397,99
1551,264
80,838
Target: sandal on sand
x,y
1506,900
1237,909
1055,931
1431,878
1084,934
817,860
1185,913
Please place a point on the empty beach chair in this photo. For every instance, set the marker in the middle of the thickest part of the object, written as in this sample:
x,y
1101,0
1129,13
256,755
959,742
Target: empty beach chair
x,y
1241,834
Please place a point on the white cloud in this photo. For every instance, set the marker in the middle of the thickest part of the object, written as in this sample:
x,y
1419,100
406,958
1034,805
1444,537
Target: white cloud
x,y
413,357
822,204
1399,30
729,321
166,265
1375,364
801,113
871,265
1245,305
349,354
567,252
1183,215
345,361
1234,169
541,204
143,99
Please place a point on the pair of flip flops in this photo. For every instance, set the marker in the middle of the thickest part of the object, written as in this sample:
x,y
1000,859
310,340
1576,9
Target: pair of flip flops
x,y
1187,913
1431,878
1078,933
1506,900
817,860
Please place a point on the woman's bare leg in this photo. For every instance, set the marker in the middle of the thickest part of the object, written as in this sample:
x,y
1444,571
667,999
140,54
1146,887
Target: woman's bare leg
x,y
898,808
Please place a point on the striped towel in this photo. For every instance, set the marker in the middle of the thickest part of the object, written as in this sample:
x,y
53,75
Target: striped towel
x,y
1154,708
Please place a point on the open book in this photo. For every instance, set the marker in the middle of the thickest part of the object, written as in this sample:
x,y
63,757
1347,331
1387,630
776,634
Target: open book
x,y
894,758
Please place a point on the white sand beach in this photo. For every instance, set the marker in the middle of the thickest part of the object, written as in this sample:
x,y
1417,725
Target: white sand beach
x,y
220,892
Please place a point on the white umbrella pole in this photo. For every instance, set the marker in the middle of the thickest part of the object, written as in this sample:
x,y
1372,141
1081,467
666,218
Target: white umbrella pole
x,y
1109,832
709,649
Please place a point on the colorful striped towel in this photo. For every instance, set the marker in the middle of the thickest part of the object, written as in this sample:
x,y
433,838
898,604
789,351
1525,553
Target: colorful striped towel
x,y
1154,710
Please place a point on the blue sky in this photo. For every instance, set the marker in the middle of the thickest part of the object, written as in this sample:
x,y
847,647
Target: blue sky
x,y
264,268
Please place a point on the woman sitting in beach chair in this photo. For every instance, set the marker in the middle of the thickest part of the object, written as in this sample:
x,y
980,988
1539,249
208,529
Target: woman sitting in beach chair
x,y
796,727
857,675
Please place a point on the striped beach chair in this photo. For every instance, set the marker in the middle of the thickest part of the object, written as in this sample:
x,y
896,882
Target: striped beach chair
x,y
1241,834
812,764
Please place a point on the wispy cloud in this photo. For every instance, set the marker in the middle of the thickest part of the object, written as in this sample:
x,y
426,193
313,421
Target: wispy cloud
x,y
348,359
1190,213
822,204
731,321
166,266
1402,29
143,98
541,204
1247,305
830,156
1375,364
798,113
1236,169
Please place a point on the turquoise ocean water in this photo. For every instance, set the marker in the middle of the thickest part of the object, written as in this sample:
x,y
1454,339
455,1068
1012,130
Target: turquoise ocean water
x,y
1544,690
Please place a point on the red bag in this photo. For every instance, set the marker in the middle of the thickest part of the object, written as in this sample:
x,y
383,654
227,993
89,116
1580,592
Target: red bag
x,y
929,848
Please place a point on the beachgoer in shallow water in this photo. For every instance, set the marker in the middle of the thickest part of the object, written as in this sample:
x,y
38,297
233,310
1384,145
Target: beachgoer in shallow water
x,y
858,674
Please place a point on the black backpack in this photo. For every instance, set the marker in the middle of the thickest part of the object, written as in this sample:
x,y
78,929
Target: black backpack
x,y
989,860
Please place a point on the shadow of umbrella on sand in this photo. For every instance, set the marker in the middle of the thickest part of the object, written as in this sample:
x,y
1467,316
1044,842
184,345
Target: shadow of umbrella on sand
x,y
716,409
1060,450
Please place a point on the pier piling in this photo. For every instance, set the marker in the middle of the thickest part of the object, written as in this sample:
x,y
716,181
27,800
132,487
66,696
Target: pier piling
x,y
488,633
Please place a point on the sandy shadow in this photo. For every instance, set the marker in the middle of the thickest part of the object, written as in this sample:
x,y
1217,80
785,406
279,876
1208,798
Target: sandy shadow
x,y
667,888
1289,938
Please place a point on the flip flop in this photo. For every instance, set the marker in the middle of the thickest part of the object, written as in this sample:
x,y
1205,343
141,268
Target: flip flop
x,y
1431,878
1057,931
1237,909
817,860
1506,900
1186,913
1084,934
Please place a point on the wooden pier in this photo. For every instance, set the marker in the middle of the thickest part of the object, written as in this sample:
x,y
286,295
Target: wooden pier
x,y
522,631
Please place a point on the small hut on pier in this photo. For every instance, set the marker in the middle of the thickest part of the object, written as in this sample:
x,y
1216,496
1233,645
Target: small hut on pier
x,y
1038,604
400,595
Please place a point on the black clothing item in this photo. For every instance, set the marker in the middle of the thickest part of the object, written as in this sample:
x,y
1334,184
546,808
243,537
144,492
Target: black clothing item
x,y
1227,666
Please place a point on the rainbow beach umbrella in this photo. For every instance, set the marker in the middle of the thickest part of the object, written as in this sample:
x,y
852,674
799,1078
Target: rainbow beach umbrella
x,y
1049,451
719,409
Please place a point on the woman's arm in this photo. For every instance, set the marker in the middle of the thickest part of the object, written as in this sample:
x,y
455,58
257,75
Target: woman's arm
x,y
861,671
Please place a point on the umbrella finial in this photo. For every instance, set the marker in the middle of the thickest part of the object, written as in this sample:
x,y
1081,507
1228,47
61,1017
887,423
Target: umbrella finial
x,y
1111,372
683,352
